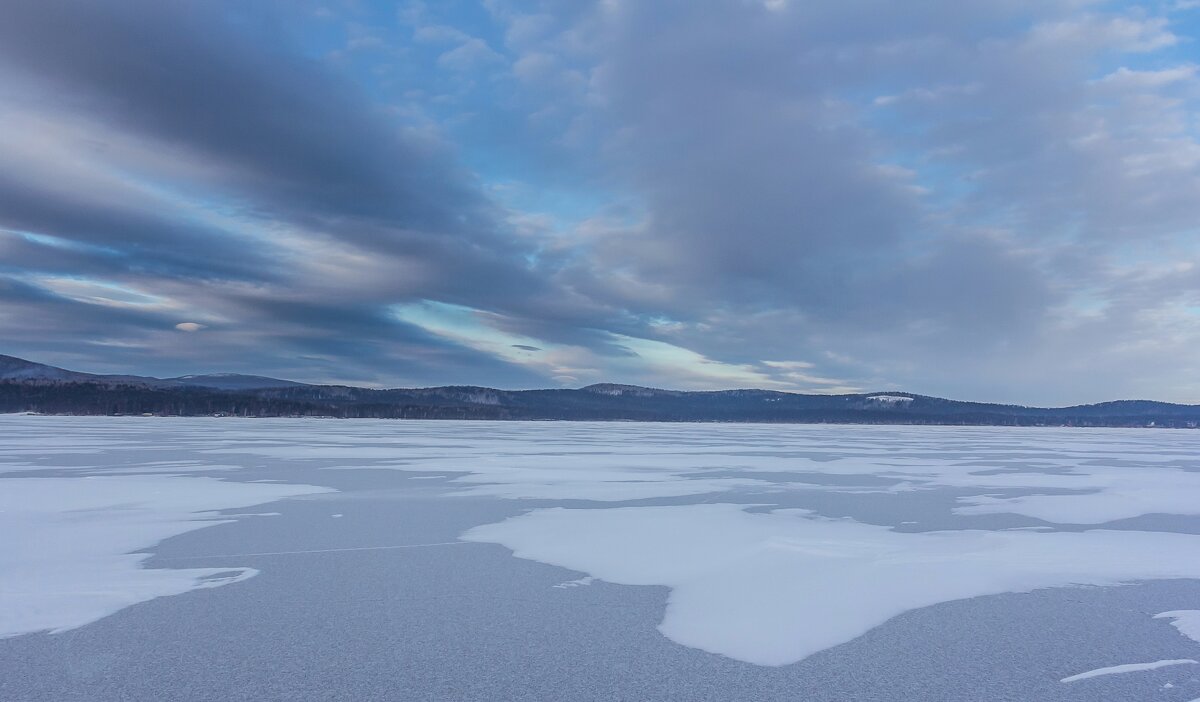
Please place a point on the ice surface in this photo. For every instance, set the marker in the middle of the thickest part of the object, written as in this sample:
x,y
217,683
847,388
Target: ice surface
x,y
1101,476
762,584
1120,494
66,554
1187,621
498,471
774,588
1127,668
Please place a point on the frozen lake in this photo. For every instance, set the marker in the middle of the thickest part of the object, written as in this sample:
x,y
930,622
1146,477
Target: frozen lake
x,y
178,559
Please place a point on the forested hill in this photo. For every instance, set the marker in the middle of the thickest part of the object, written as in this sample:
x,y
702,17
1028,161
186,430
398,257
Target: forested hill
x,y
26,386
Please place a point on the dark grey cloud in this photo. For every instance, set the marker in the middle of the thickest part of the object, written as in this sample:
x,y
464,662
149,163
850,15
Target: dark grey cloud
x,y
118,234
274,126
935,196
213,106
991,200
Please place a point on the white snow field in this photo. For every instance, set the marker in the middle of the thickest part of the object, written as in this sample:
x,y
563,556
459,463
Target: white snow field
x,y
771,543
773,588
68,554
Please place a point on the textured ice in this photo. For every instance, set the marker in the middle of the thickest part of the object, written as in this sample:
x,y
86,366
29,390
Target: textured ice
x,y
774,588
66,556
763,584
1128,668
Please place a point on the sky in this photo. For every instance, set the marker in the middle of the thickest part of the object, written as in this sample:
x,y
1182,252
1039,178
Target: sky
x,y
995,201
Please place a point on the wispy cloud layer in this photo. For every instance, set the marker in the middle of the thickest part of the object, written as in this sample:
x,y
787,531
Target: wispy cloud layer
x,y
994,201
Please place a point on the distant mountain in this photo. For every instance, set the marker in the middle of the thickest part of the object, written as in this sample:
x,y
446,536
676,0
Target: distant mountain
x,y
232,381
18,369
616,390
15,369
26,386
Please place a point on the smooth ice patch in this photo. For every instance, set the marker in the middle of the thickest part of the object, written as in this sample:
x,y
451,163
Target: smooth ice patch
x,y
773,588
66,554
1100,476
604,490
1076,476
1127,668
508,471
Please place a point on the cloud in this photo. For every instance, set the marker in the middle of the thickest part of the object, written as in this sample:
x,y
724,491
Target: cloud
x,y
472,53
988,201
190,326
1127,79
934,245
199,158
440,34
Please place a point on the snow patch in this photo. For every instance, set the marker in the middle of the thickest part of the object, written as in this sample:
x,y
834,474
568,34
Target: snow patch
x,y
1187,621
1120,493
774,588
1127,668
890,399
67,557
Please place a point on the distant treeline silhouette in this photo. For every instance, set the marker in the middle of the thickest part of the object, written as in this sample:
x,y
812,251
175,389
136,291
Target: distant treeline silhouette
x,y
602,402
